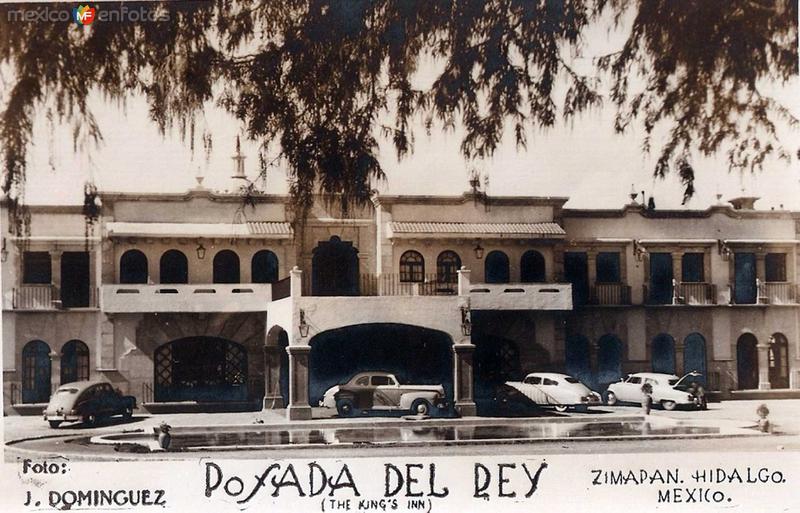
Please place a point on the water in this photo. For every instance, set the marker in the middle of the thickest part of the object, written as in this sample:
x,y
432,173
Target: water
x,y
414,434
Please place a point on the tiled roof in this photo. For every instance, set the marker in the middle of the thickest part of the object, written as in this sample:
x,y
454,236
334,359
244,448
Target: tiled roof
x,y
538,229
260,229
269,228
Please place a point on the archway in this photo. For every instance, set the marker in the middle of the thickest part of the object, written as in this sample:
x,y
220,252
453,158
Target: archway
x,y
173,267
694,356
207,369
133,267
334,268
36,372
609,361
532,267
779,361
276,368
74,362
496,267
226,267
576,358
415,355
662,354
747,362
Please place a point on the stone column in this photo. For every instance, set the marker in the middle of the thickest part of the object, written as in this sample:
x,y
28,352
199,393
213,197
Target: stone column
x,y
298,408
763,366
55,272
272,378
463,281
462,378
55,370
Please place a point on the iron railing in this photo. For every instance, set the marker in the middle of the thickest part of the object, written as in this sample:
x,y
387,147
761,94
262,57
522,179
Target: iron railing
x,y
699,293
611,294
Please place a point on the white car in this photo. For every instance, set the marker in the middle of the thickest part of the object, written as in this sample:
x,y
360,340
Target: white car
x,y
668,390
559,390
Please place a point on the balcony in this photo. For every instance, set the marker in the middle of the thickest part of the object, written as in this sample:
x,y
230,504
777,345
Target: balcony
x,y
610,294
777,293
520,296
391,285
216,297
48,297
698,293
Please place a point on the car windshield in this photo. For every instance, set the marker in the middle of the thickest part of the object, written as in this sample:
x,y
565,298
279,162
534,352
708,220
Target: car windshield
x,y
673,382
570,379
65,391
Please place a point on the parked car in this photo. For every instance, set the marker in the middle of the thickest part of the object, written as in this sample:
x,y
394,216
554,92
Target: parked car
x,y
377,390
559,390
87,401
669,390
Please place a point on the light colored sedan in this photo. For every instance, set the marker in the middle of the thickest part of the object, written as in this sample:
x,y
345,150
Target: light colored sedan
x,y
667,390
559,390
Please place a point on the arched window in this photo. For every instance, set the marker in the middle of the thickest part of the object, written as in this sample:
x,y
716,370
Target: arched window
x,y
264,267
174,267
531,267
609,360
496,267
447,266
779,361
663,354
412,267
74,362
694,356
133,267
36,372
747,362
226,267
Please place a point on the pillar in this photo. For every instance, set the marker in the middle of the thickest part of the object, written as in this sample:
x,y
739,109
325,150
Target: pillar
x,y
298,408
272,378
55,272
55,370
462,378
763,366
463,281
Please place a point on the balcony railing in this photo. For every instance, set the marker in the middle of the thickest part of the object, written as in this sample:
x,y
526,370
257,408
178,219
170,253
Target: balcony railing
x,y
698,293
611,294
392,285
210,297
777,293
48,297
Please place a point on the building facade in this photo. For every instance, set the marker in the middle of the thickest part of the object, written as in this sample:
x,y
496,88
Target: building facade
x,y
192,301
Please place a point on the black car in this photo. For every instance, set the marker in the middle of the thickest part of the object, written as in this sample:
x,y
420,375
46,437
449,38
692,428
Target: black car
x,y
87,401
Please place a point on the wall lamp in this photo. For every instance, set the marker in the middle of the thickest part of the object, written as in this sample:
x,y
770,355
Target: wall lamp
x,y
639,251
478,250
201,251
466,323
303,326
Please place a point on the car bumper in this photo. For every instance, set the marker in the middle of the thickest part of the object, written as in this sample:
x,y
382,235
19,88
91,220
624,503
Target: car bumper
x,y
61,417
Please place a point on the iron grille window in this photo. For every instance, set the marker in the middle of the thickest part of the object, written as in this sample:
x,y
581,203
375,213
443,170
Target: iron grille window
x,y
447,266
74,362
775,264
36,268
692,268
608,268
412,267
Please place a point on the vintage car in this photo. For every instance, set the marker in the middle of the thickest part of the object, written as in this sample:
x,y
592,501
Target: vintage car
x,y
378,390
87,401
559,390
669,390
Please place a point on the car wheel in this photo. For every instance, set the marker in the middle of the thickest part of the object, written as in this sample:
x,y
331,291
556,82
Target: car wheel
x,y
345,407
420,407
128,413
90,420
561,408
611,398
668,405
55,423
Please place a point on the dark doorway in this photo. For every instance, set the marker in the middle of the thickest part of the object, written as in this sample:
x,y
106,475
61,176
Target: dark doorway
x,y
74,362
694,356
662,354
576,272
264,267
414,355
576,358
747,362
173,267
744,286
226,267
660,278
205,369
334,267
133,267
779,361
496,267
36,372
609,361
75,286
532,267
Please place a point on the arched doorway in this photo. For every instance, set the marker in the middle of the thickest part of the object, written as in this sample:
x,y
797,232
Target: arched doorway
x,y
133,267
74,362
226,267
694,356
201,369
662,354
36,372
532,267
779,361
496,267
334,268
173,267
609,361
276,369
576,358
264,267
415,355
747,362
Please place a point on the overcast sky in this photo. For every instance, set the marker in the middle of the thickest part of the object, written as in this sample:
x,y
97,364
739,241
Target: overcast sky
x,y
585,161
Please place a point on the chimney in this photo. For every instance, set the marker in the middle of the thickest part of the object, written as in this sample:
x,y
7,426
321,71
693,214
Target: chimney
x,y
744,202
